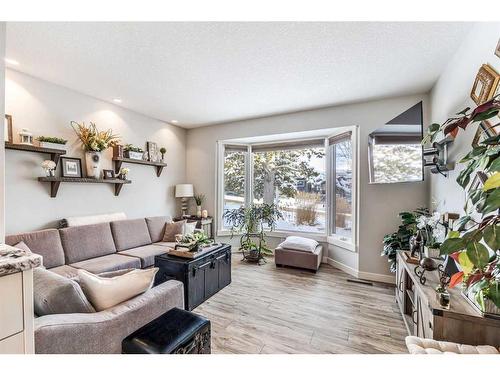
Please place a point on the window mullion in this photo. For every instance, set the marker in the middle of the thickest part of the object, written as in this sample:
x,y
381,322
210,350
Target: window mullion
x,y
249,177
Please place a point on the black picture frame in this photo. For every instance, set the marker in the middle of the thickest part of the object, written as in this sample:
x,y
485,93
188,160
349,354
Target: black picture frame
x,y
108,174
71,167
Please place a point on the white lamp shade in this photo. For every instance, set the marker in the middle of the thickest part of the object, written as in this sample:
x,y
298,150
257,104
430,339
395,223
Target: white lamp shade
x,y
184,191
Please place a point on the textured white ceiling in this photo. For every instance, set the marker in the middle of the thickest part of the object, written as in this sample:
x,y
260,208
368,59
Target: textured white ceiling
x,y
204,73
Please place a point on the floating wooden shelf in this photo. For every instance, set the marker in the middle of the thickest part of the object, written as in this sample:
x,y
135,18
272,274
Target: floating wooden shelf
x,y
56,181
119,161
53,152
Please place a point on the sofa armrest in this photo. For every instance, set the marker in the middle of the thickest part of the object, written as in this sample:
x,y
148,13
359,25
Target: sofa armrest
x,y
103,332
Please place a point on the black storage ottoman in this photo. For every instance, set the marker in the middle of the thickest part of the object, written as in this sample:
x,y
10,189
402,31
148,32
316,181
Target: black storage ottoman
x,y
175,332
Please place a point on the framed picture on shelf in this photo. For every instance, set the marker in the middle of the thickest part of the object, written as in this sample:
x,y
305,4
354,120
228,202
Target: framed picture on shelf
x,y
8,129
485,84
108,174
153,153
71,167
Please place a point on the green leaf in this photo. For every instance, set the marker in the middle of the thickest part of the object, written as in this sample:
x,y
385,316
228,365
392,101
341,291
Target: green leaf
x,y
462,222
451,245
480,300
494,166
492,182
433,128
492,202
491,235
453,234
465,263
485,115
494,293
478,254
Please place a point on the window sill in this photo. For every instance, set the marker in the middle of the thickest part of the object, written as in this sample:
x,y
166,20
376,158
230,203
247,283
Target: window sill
x,y
332,240
337,241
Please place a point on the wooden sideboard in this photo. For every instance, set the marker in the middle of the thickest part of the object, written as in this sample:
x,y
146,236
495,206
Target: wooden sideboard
x,y
424,317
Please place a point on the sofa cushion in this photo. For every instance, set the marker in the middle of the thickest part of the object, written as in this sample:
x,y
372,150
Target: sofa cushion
x,y
156,226
46,243
106,292
87,241
146,253
65,271
107,263
166,244
55,294
173,229
130,233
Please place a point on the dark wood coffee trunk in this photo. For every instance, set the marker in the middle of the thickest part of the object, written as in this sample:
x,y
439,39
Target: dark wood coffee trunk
x,y
202,277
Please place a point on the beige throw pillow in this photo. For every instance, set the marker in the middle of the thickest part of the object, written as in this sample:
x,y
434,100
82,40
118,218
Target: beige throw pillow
x,y
171,229
106,292
189,228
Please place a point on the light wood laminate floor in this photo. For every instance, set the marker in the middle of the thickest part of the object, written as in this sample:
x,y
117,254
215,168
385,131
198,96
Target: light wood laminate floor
x,y
284,310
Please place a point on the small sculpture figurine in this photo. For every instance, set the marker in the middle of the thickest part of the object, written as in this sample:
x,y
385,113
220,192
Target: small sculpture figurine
x,y
416,245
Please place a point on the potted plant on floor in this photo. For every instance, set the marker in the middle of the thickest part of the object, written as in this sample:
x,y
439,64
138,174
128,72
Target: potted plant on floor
x,y
52,142
475,241
94,142
252,222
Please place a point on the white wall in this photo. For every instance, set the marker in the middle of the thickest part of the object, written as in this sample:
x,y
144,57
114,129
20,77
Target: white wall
x,y
2,148
379,204
47,109
451,94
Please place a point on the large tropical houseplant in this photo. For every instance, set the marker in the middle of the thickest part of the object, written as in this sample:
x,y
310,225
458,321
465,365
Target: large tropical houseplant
x,y
252,222
475,241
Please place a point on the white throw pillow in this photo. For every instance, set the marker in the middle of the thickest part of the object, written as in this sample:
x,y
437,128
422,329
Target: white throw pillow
x,y
299,243
106,292
189,228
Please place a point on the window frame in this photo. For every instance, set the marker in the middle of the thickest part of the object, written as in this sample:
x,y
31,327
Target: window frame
x,y
332,237
327,236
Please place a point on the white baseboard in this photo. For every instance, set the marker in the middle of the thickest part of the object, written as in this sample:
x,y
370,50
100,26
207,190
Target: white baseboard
x,y
388,279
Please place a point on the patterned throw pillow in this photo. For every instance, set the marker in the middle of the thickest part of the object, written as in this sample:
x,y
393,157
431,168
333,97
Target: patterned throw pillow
x,y
171,229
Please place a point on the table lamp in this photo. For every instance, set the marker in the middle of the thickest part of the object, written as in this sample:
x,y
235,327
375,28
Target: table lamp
x,y
184,191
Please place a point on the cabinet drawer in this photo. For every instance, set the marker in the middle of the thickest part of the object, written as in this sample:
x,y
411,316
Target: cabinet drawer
x,y
11,308
13,344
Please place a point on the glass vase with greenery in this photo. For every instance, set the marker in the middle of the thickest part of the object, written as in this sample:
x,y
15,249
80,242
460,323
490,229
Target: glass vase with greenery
x,y
475,241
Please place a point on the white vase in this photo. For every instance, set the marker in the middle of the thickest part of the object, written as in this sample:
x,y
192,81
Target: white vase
x,y
198,211
92,162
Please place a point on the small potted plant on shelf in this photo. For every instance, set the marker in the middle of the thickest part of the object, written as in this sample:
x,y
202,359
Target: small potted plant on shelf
x,y
49,167
199,198
475,241
52,142
133,152
123,173
163,151
252,222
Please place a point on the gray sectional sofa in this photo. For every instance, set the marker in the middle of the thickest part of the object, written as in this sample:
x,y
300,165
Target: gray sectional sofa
x,y
101,248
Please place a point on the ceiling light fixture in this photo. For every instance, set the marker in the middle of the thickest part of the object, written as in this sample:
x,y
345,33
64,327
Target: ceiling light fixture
x,y
174,121
11,61
117,100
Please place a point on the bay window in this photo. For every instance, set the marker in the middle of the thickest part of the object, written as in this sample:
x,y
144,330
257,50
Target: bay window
x,y
310,180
